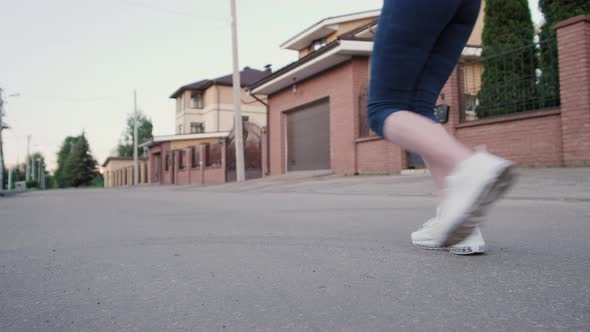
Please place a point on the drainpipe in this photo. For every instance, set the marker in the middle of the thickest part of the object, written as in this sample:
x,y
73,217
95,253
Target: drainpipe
x,y
267,131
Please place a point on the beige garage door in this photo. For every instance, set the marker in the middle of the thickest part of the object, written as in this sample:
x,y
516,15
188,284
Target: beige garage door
x,y
308,138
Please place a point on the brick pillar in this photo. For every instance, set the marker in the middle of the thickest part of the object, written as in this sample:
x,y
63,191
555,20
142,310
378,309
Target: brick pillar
x,y
174,166
142,169
202,162
573,42
141,172
264,151
150,168
164,171
189,164
451,95
146,176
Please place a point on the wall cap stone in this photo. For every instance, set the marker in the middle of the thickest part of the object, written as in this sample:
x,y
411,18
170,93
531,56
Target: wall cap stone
x,y
509,118
572,21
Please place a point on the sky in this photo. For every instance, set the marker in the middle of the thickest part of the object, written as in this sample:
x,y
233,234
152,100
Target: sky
x,y
75,63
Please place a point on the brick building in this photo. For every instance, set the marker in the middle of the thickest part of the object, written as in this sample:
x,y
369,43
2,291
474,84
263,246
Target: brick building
x,y
187,159
317,104
201,151
118,171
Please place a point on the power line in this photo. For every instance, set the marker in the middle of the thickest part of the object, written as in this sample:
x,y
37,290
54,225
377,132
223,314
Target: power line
x,y
66,99
167,10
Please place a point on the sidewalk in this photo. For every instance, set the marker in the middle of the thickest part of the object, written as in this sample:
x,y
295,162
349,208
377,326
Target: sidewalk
x,y
534,184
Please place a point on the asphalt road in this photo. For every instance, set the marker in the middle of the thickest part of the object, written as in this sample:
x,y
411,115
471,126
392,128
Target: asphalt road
x,y
304,252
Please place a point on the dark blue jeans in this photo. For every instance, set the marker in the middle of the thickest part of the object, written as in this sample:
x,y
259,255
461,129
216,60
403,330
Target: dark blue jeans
x,y
417,45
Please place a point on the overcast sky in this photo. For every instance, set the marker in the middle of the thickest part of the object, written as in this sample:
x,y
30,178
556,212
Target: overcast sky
x,y
75,63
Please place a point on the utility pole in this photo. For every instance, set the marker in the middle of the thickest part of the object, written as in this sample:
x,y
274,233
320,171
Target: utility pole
x,y
2,126
28,161
239,138
10,178
135,157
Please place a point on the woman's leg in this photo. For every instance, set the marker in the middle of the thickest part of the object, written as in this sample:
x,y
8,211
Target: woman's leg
x,y
407,50
407,32
418,131
421,135
417,45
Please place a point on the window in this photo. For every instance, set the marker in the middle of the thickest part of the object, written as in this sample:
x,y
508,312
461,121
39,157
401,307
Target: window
x,y
197,100
317,44
194,157
180,104
213,155
179,131
197,127
181,158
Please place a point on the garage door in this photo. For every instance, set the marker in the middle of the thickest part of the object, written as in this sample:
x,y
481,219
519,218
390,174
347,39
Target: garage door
x,y
308,138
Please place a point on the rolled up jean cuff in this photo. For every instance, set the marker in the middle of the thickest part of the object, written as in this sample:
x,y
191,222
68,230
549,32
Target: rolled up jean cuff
x,y
377,117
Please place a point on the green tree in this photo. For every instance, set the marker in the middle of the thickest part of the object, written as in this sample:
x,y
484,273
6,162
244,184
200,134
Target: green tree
x,y
18,173
144,133
60,175
76,166
554,12
508,60
80,165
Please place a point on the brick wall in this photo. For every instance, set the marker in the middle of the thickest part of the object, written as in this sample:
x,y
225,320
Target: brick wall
x,y
215,175
377,156
189,175
530,139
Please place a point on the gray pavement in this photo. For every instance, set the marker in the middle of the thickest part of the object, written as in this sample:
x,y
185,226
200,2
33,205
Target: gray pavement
x,y
304,252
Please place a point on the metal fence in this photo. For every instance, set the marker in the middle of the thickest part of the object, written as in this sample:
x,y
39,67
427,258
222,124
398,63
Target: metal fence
x,y
520,80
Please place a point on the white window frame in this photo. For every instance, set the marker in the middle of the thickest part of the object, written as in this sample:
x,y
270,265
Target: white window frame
x,y
197,124
197,100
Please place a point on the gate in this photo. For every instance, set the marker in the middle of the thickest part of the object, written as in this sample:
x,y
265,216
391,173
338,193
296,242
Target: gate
x,y
252,153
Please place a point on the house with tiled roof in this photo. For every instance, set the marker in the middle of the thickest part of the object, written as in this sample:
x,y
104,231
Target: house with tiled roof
x,y
206,105
201,150
317,104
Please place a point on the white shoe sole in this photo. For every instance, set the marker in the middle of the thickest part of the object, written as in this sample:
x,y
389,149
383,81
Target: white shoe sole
x,y
492,191
457,251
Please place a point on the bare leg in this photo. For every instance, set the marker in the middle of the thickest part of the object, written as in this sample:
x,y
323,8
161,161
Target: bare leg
x,y
420,135
439,178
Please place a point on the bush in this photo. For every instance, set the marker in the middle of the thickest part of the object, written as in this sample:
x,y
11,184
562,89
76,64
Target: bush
x,y
506,79
32,184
